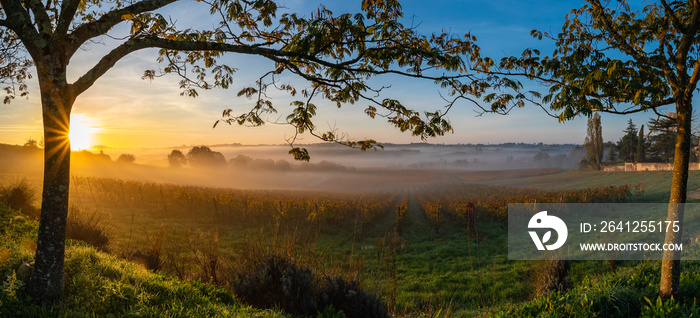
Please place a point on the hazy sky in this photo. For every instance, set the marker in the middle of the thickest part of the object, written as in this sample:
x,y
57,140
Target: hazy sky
x,y
125,111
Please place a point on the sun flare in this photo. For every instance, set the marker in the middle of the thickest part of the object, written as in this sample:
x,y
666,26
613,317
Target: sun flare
x,y
81,132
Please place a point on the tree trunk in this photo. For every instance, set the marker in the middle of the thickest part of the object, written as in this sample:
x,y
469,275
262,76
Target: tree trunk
x,y
47,280
670,265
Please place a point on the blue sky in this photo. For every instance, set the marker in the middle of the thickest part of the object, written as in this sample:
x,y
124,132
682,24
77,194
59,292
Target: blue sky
x,y
127,111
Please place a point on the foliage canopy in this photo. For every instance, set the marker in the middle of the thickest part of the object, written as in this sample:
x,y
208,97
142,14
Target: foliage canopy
x,y
335,55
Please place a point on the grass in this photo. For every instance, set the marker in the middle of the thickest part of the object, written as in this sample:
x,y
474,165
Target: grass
x,y
450,273
655,184
632,292
101,285
446,273
453,270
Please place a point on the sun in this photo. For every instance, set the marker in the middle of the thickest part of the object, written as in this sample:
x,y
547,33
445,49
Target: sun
x,y
81,132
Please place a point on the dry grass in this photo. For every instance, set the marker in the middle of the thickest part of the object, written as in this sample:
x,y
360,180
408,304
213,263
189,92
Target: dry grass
x,y
90,227
20,195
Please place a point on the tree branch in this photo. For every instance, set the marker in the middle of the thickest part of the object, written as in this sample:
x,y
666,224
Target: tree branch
x,y
551,81
624,46
21,23
132,45
262,51
674,17
689,37
68,10
656,111
42,18
652,106
107,62
110,19
693,82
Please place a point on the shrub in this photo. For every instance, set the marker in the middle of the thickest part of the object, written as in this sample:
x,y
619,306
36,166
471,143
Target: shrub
x,y
126,158
205,253
277,282
149,258
89,227
551,276
348,297
19,195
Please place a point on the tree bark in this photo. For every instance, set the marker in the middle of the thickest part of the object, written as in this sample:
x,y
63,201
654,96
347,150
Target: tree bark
x,y
47,280
670,265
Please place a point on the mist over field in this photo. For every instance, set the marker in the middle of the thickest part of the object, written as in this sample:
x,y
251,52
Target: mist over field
x,y
332,167
420,155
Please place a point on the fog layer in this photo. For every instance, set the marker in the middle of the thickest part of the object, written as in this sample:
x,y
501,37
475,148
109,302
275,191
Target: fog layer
x,y
331,168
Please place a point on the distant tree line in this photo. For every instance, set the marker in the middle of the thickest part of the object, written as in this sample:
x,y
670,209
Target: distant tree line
x,y
658,145
33,147
87,157
204,157
197,157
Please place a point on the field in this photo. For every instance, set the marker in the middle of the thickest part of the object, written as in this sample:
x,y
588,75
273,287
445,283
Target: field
x,y
435,247
655,184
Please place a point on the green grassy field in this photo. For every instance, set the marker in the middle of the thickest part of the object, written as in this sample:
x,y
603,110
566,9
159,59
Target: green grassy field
x,y
460,270
655,184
